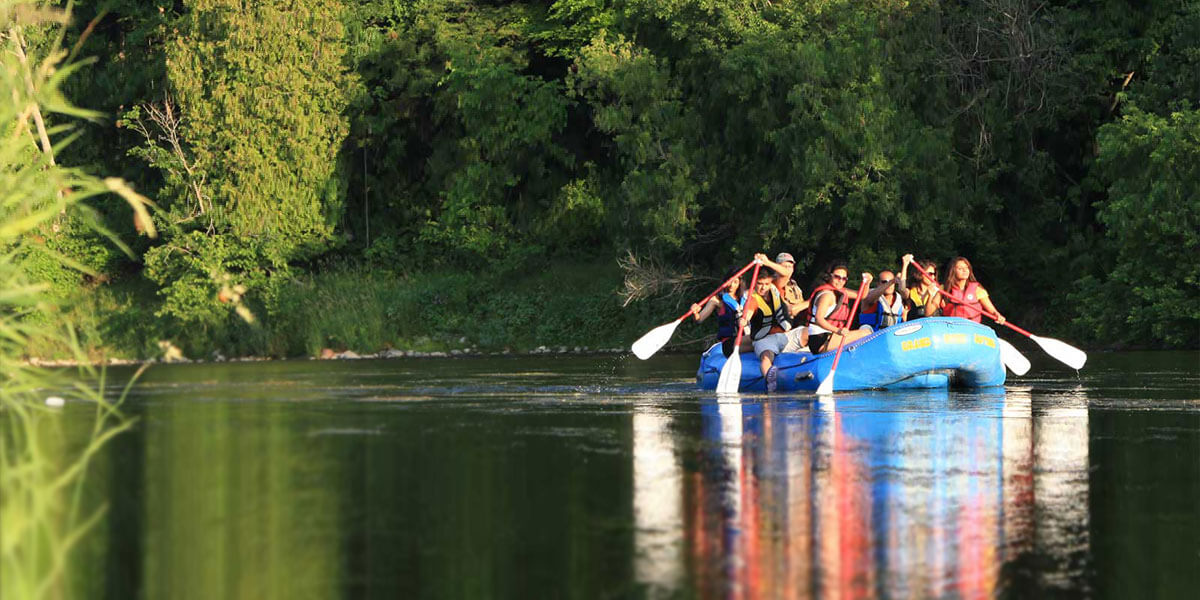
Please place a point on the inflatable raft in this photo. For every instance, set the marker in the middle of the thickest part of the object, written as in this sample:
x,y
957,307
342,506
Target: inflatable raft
x,y
925,353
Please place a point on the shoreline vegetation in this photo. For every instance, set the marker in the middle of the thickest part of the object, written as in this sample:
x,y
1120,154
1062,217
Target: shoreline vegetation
x,y
358,312
365,175
369,175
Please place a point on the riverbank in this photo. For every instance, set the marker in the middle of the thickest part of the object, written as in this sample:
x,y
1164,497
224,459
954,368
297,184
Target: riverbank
x,y
360,311
331,355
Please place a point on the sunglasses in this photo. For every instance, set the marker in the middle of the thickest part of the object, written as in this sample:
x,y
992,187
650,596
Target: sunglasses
x,y
885,281
838,277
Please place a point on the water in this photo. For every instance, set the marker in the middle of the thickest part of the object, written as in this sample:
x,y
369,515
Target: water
x,y
610,477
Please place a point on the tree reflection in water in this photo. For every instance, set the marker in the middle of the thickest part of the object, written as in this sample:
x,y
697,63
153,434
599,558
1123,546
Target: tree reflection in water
x,y
916,495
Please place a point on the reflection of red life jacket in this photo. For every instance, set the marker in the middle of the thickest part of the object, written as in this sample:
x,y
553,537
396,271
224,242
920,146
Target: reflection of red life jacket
x,y
840,317
963,303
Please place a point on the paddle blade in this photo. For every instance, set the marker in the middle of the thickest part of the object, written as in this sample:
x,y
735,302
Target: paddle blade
x,y
655,339
1012,358
826,387
1069,355
731,375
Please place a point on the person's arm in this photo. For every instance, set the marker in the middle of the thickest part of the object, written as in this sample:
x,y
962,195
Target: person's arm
x,y
762,258
933,300
986,301
902,281
852,294
874,293
707,311
748,311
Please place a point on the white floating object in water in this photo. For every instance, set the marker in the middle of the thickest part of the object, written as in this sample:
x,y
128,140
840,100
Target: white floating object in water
x,y
55,401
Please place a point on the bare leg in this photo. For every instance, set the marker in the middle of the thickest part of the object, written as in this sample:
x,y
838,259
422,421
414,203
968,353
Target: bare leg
x,y
766,359
857,334
851,336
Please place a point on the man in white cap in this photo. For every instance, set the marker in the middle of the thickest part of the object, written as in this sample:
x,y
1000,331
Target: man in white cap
x,y
785,267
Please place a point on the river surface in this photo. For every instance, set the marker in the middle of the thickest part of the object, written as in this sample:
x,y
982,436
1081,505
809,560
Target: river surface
x,y
611,477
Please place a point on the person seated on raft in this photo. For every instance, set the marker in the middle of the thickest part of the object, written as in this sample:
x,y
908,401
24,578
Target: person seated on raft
x,y
829,311
785,266
967,299
883,305
728,306
765,312
923,298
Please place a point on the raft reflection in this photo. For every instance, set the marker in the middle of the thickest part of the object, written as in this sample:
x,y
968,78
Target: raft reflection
x,y
874,495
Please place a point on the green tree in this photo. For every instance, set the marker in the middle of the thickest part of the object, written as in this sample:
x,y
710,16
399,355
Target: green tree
x,y
249,141
1152,216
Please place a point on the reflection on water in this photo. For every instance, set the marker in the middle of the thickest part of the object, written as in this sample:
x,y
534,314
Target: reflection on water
x,y
514,478
856,498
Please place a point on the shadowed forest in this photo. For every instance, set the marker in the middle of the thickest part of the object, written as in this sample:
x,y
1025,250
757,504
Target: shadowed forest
x,y
434,174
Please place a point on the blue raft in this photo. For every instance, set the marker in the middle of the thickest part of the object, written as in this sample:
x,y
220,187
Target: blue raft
x,y
925,353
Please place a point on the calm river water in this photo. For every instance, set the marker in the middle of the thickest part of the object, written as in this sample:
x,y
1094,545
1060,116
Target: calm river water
x,y
611,477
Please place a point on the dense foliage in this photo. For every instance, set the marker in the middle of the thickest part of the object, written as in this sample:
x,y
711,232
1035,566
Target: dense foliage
x,y
1052,143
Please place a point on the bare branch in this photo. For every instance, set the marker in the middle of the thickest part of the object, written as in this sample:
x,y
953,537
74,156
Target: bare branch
x,y
645,278
164,130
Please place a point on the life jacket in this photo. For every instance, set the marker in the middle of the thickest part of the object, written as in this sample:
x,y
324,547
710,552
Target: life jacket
x,y
769,315
919,308
729,310
840,315
792,321
881,315
963,303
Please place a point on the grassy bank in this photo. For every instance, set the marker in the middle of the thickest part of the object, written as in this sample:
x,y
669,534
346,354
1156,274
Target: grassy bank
x,y
365,309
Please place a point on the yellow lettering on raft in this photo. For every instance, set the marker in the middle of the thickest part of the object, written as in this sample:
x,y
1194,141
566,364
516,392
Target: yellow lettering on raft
x,y
985,341
954,338
918,343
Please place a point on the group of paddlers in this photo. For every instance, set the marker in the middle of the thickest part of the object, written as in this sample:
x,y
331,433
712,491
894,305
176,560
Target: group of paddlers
x,y
778,318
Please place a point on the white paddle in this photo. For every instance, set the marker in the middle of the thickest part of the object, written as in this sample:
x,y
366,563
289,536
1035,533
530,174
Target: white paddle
x,y
826,387
1012,358
1069,355
658,337
731,373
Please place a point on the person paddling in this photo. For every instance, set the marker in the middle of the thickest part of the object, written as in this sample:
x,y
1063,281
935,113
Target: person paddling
x,y
923,300
785,268
964,296
766,314
883,305
829,311
728,306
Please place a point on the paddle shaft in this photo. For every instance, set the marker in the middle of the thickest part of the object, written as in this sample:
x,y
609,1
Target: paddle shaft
x,y
862,289
752,263
737,340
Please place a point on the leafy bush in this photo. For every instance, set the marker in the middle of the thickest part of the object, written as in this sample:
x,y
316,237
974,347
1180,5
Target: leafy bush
x,y
1149,296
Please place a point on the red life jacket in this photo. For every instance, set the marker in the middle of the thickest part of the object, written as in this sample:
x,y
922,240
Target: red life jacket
x,y
840,317
963,303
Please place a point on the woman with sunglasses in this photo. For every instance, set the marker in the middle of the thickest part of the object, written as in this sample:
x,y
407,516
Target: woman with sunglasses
x,y
923,300
829,311
964,296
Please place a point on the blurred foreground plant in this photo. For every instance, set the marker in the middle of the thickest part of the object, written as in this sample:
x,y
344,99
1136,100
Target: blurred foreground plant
x,y
41,476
